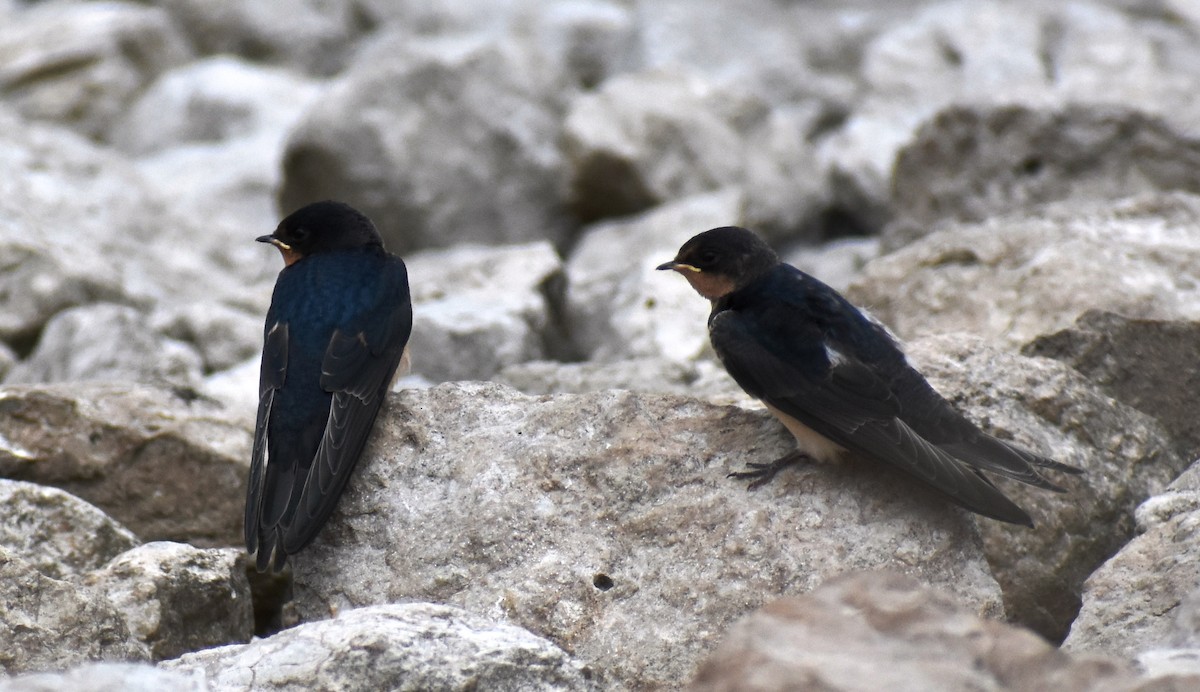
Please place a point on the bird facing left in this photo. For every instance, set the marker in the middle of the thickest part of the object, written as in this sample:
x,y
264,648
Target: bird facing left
x,y
335,337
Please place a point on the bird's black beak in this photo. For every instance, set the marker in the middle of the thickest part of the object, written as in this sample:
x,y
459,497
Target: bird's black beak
x,y
677,266
273,241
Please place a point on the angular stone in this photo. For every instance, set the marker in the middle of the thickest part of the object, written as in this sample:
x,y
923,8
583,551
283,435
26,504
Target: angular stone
x,y
478,309
56,533
971,52
48,624
176,598
439,142
970,164
106,342
605,522
878,630
317,37
1049,408
1146,596
592,39
81,64
652,137
106,677
165,464
210,134
1147,364
703,378
411,646
1013,279
223,336
618,306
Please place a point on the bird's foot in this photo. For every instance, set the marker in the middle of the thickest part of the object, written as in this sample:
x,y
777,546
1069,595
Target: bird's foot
x,y
760,473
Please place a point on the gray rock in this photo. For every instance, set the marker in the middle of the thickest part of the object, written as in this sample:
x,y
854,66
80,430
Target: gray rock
x,y
605,522
236,388
106,342
1147,364
652,137
1051,409
778,50
1013,279
210,134
81,224
592,40
165,464
106,677
970,164
412,646
703,378
80,64
223,336
618,306
1169,662
1146,596
439,142
317,37
7,360
54,532
213,100
838,263
176,598
50,624
875,630
992,52
478,309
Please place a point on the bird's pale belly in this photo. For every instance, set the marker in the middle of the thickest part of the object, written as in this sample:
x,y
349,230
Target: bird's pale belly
x,y
809,441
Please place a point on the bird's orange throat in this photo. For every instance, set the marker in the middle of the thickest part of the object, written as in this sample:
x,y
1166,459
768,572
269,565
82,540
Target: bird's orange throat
x,y
290,256
711,286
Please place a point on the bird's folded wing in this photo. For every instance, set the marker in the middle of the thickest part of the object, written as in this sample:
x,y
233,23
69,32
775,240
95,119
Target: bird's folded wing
x,y
272,374
357,369
789,366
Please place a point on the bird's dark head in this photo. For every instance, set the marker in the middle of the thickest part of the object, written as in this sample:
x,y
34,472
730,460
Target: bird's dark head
x,y
322,227
722,260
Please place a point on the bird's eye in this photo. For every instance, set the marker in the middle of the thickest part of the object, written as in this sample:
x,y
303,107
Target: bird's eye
x,y
708,257
299,233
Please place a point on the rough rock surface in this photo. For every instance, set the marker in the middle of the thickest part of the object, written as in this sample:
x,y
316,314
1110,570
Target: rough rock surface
x,y
605,523
1147,596
439,142
55,532
982,53
106,677
50,624
412,646
316,37
211,134
163,463
1151,365
80,64
176,598
103,341
653,137
477,309
1012,279
970,164
1046,406
703,379
618,306
884,631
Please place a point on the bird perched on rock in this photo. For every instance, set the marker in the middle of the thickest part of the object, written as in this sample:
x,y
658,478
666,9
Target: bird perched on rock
x,y
838,380
335,335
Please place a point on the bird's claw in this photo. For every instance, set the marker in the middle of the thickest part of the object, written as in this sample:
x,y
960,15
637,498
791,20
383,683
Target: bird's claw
x,y
760,473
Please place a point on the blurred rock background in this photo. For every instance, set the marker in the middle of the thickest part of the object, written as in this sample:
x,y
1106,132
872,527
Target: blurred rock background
x,y
1013,186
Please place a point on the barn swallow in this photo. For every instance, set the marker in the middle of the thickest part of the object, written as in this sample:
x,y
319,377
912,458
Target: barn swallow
x,y
336,335
839,381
